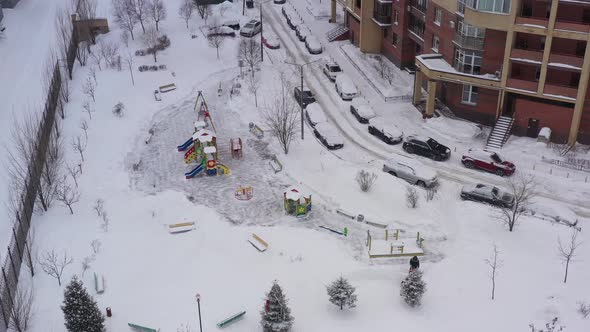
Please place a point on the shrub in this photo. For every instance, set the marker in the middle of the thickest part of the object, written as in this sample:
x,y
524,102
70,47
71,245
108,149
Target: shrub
x,y
365,180
154,68
119,109
412,197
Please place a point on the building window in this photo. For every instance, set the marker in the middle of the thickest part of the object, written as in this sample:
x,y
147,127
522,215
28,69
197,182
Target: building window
x,y
395,16
435,43
357,3
394,39
417,26
470,93
437,16
385,32
496,6
468,61
468,30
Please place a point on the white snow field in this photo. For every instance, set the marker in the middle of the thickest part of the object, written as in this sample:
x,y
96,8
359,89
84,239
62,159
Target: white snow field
x,y
152,276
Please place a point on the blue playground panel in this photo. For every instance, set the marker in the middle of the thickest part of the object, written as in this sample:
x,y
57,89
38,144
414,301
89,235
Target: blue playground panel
x,y
185,145
194,172
231,319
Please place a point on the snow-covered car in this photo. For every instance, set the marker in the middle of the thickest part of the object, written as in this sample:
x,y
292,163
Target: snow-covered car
x,y
308,96
293,20
487,161
388,133
271,41
345,87
221,31
361,110
251,28
411,170
313,45
302,31
234,24
315,114
279,2
487,194
331,70
328,135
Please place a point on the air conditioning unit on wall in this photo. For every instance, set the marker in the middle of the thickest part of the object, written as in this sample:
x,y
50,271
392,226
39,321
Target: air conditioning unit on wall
x,y
452,23
498,73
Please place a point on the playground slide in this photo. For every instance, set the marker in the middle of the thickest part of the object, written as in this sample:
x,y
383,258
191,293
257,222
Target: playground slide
x,y
194,172
224,168
185,145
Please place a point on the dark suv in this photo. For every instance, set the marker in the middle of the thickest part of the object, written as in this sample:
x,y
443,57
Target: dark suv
x,y
426,147
308,97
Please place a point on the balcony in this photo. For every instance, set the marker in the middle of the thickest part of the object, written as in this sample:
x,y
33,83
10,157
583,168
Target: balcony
x,y
419,6
515,83
382,13
530,56
532,24
487,19
572,26
555,90
473,43
566,61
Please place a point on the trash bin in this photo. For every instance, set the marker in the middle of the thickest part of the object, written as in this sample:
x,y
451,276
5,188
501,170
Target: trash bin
x,y
250,3
109,312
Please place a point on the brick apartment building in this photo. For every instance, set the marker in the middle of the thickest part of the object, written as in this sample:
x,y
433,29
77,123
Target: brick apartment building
x,y
523,60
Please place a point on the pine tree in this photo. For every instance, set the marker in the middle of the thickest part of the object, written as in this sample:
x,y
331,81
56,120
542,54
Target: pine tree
x,y
81,313
412,288
276,315
341,293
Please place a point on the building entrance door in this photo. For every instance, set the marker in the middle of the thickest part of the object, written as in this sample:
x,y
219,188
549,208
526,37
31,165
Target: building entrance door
x,y
533,128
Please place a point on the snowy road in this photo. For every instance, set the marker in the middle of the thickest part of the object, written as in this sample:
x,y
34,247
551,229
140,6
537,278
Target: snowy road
x,y
359,138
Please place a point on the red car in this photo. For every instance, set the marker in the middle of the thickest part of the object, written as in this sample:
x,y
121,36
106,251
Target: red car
x,y
487,161
270,41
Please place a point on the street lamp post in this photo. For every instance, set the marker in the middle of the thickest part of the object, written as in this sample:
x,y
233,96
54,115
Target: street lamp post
x,y
301,90
198,297
261,30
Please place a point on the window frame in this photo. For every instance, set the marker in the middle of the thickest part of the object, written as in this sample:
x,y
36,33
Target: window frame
x,y
437,16
473,94
437,39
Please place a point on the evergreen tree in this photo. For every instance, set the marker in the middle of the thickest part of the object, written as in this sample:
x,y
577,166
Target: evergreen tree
x,y
341,293
81,313
276,315
412,288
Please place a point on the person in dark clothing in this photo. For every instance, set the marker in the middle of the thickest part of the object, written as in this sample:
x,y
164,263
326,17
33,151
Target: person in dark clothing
x,y
414,263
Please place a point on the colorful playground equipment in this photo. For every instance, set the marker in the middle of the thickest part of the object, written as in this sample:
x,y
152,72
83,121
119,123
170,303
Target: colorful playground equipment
x,y
391,244
258,243
254,129
344,231
296,203
202,148
231,319
244,193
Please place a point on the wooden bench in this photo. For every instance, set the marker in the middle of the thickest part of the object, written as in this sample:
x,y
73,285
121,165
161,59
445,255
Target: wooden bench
x,y
231,319
258,243
98,283
275,164
167,87
181,227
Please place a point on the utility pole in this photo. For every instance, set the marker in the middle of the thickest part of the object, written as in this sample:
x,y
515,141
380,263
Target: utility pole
x,y
261,29
301,90
198,297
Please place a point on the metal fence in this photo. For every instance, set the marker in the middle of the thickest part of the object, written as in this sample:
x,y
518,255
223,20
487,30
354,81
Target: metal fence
x,y
18,250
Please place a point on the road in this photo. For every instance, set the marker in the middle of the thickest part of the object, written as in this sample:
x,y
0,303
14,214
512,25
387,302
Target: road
x,y
360,139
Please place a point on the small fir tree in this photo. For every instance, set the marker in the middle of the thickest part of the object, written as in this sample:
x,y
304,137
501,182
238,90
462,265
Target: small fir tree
x,y
276,315
412,288
341,293
81,313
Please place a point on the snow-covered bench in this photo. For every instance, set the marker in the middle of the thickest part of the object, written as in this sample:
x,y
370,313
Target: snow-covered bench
x,y
98,283
167,87
275,164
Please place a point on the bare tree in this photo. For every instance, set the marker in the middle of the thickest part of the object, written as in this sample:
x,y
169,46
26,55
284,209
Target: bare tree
x,y
21,311
249,53
30,252
105,221
254,82
109,52
86,264
129,61
79,146
215,39
495,264
365,180
88,108
157,12
125,38
92,73
412,197
64,28
281,116
50,174
186,11
584,309
150,41
95,245
99,207
82,53
140,9
84,127
89,88
54,265
86,9
124,15
568,251
74,172
67,194
65,92
523,188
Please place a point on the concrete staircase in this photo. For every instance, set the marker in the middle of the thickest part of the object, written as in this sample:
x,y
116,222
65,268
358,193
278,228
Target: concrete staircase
x,y
500,133
338,33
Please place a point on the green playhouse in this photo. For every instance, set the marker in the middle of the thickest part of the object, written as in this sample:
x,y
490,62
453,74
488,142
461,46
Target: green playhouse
x,y
297,203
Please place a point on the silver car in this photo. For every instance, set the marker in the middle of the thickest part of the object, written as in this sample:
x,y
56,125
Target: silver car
x,y
411,170
251,29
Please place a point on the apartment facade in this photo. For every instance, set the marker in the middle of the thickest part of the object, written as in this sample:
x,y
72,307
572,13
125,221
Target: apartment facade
x,y
524,59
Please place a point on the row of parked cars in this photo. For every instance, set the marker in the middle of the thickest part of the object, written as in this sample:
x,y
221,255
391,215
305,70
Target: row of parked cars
x,y
303,33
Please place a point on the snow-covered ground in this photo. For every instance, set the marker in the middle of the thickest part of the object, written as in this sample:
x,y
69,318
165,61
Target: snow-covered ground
x,y
152,276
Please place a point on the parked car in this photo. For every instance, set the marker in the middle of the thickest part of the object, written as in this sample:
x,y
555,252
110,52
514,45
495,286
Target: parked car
x,y
487,194
313,45
251,28
279,2
487,161
331,70
345,87
221,31
302,31
234,24
426,147
328,135
411,170
271,41
308,96
315,114
293,20
361,110
388,133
